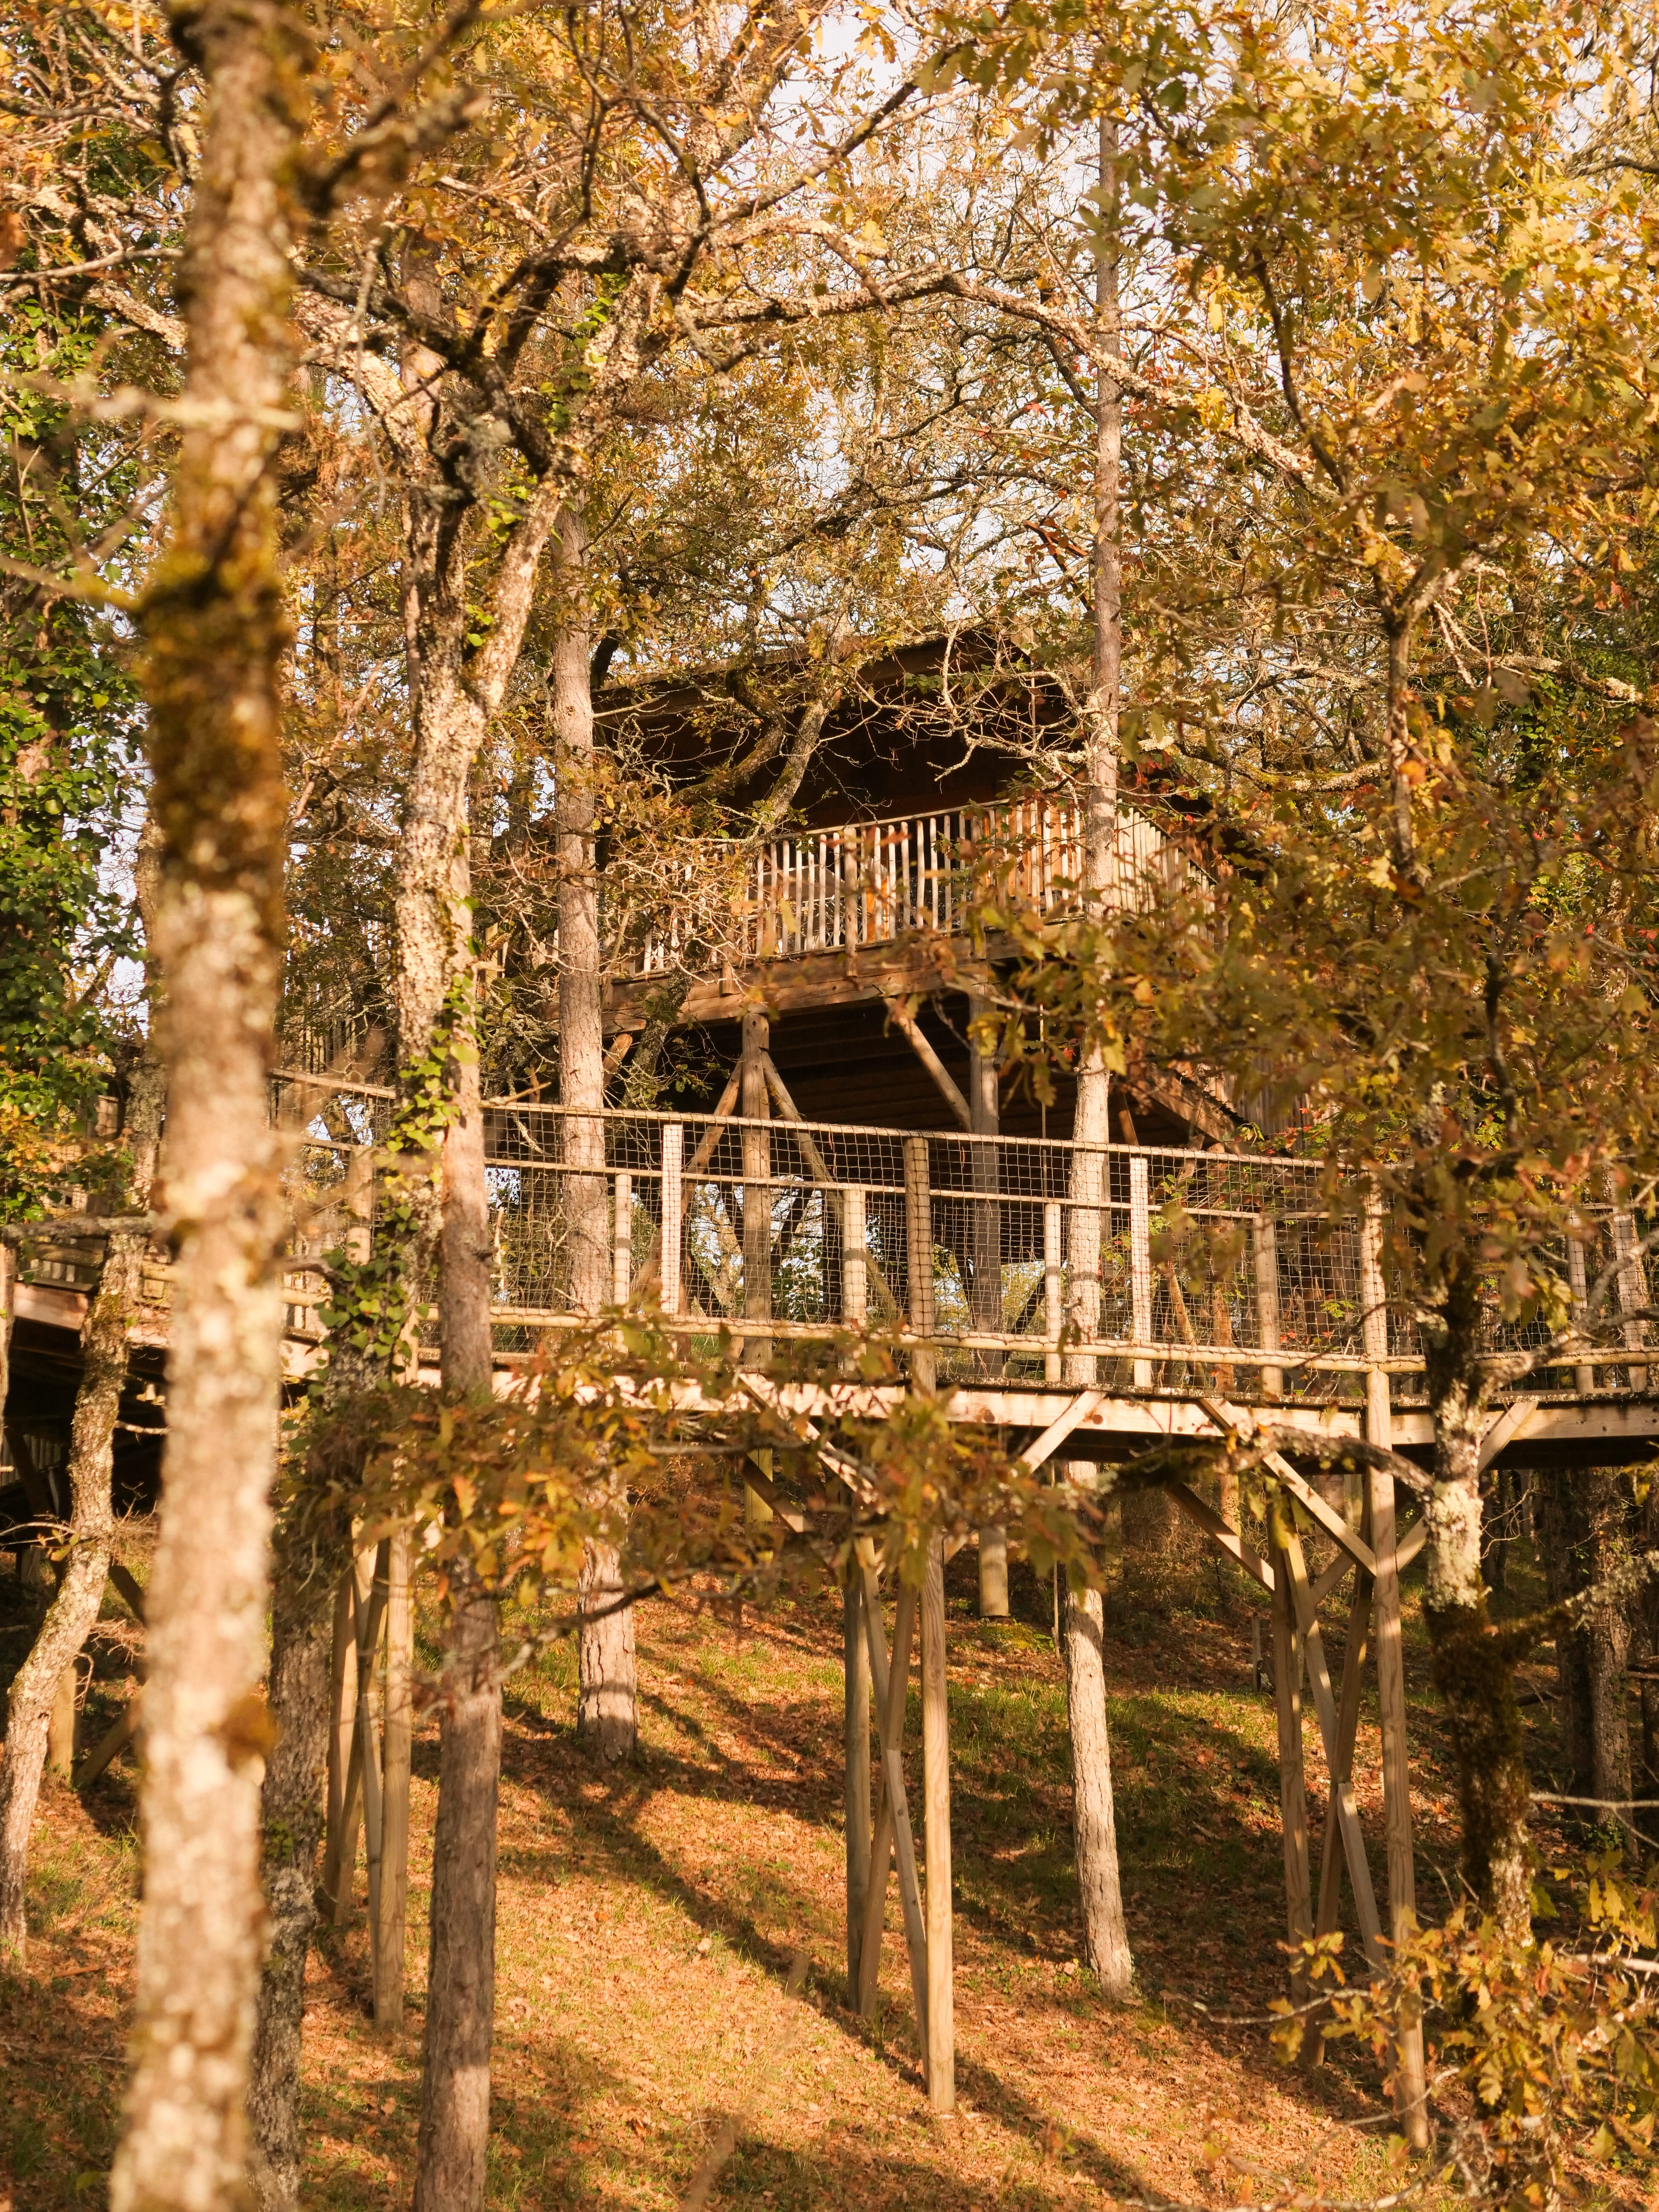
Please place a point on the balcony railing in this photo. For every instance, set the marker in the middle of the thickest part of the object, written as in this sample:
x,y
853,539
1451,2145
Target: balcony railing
x,y
867,882
1011,1257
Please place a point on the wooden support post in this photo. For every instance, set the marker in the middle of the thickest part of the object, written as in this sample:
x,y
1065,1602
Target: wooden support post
x,y
919,1257
1355,1653
1292,1789
1344,1812
1632,1290
756,1186
1054,1285
1409,2088
673,1209
985,1254
1140,1263
855,1255
856,1661
396,1735
622,1240
1264,1254
1583,1378
936,1799
893,1833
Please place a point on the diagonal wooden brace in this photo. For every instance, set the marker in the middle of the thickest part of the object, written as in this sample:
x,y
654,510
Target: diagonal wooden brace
x,y
1238,1421
1343,1804
1222,1534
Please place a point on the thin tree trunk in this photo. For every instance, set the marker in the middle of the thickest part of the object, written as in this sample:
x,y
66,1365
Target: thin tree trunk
x,y
51,1662
312,1550
1094,1819
216,630
1471,1670
607,1708
1105,1940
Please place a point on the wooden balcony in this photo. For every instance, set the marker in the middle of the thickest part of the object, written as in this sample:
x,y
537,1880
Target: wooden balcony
x,y
819,896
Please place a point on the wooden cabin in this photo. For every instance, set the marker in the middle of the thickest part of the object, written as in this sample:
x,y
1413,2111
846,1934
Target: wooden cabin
x,y
936,771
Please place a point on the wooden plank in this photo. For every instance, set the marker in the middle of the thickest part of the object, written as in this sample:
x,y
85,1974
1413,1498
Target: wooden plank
x,y
113,1741
936,1808
1339,1570
1222,1534
1085,1403
1507,1429
1342,1797
931,1060
1411,1543
1241,1422
891,1687
919,1258
1292,1787
856,1739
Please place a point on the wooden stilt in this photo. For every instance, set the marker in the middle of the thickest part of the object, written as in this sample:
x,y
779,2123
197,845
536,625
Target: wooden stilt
x,y
1354,1656
891,1688
1292,1793
1344,1810
397,1731
936,1797
1409,2086
757,1187
918,1256
857,1734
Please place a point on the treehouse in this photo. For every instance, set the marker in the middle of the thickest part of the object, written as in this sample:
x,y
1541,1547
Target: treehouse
x,y
935,781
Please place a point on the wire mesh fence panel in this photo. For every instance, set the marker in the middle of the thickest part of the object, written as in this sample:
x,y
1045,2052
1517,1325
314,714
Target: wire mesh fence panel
x,y
1022,1259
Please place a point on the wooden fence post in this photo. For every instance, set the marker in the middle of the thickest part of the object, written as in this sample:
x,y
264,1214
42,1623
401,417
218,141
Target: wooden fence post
x,y
1141,1263
854,1264
919,1257
622,1240
1633,1290
936,1797
1409,2089
1264,1254
1578,1289
1054,1285
673,1205
756,1107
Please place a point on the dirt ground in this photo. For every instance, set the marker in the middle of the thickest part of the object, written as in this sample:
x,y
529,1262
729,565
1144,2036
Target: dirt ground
x,y
648,1923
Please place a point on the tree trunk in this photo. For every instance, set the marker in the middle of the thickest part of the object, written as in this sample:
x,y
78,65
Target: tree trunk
x,y
1094,1821
215,631
454,2134
1472,1672
313,1550
1585,1537
607,1707
38,1686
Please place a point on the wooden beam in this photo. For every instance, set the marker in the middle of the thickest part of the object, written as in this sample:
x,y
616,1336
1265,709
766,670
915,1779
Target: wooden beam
x,y
1222,1534
1045,1447
1292,1787
1342,1797
931,1060
130,1590
1239,1421
1411,1543
1348,1728
1506,1430
114,1740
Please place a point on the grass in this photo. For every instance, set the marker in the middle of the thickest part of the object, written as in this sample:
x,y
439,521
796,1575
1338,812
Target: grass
x,y
648,1922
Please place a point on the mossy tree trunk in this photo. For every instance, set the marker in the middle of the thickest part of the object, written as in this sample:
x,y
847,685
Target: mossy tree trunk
x,y
216,633
1472,1670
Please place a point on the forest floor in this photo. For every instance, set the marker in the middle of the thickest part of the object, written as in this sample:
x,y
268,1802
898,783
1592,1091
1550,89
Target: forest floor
x,y
648,1920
